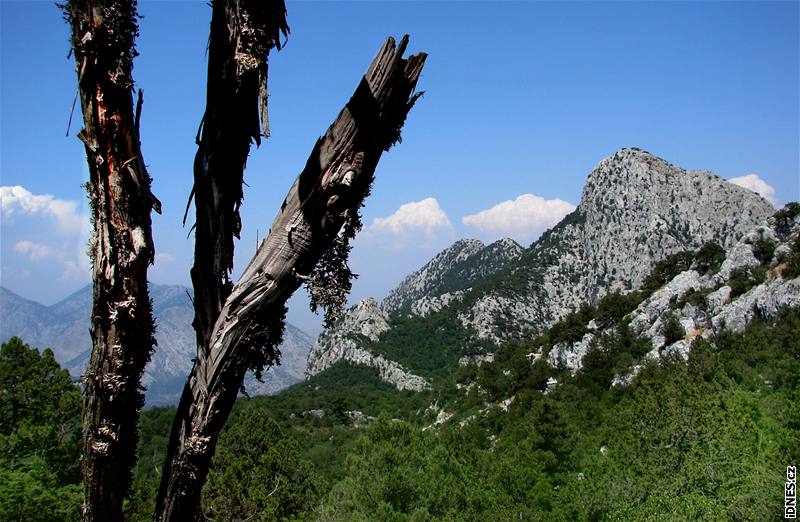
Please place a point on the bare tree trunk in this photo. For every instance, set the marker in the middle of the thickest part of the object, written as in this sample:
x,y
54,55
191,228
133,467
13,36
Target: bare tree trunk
x,y
242,34
323,201
103,33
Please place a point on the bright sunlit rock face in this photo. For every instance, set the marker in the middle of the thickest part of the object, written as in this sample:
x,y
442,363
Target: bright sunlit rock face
x,y
635,210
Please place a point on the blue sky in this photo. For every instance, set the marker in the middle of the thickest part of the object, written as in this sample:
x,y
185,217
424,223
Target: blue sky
x,y
522,100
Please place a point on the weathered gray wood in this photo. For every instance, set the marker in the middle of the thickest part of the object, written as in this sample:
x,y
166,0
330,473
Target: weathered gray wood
x,y
328,192
103,33
242,34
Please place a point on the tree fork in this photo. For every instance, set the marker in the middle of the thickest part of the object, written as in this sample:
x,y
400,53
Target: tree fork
x,y
324,198
103,34
242,34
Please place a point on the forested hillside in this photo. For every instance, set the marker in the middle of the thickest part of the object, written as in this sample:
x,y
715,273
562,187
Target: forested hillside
x,y
675,400
703,438
636,209
701,434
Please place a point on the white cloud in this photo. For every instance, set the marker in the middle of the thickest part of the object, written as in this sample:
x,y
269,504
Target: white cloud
x,y
756,184
34,251
72,269
522,219
164,258
76,270
424,216
19,200
46,230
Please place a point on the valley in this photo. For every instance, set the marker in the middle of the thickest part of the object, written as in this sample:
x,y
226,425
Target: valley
x,y
638,361
665,392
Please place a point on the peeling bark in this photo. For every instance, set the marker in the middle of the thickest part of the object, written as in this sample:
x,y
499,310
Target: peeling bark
x,y
103,33
242,34
325,196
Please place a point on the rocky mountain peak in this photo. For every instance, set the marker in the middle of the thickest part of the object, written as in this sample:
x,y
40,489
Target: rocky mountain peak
x,y
505,249
423,281
439,282
632,171
636,209
639,208
366,318
450,273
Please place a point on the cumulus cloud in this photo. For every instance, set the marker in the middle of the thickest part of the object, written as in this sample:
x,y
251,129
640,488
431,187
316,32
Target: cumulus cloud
x,y
424,216
75,270
522,219
756,184
164,258
19,200
46,230
33,251
71,268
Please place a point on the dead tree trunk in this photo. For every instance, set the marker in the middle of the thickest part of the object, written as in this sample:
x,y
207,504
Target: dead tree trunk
x,y
304,244
103,33
242,34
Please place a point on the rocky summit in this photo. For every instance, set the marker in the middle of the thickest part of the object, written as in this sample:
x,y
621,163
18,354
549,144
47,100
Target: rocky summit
x,y
440,282
450,273
702,302
636,209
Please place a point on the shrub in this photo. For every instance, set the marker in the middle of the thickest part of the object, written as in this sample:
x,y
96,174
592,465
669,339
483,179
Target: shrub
x,y
792,269
743,279
258,472
665,270
709,258
784,218
40,426
694,297
572,328
615,306
671,328
764,250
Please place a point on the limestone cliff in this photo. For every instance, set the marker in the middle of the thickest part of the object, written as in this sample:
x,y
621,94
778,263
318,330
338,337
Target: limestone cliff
x,y
635,209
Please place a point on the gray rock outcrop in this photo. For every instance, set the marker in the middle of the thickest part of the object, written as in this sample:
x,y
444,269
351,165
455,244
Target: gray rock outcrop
x,y
439,283
450,272
345,341
636,209
718,311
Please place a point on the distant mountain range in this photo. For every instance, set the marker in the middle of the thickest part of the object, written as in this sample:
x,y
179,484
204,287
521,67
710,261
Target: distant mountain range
x,y
636,209
64,327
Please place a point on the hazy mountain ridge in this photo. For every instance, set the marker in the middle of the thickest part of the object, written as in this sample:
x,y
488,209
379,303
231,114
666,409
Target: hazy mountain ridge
x,y
636,209
64,327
